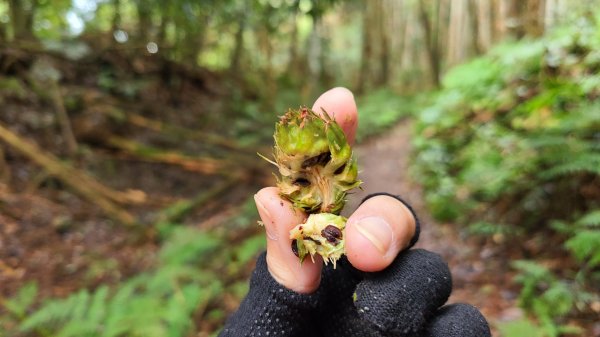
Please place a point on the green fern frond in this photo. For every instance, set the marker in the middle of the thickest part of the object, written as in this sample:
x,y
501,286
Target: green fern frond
x,y
587,162
590,219
19,304
187,245
51,314
585,245
159,303
98,306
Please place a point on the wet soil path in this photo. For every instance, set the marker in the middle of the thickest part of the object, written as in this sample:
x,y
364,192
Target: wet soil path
x,y
481,274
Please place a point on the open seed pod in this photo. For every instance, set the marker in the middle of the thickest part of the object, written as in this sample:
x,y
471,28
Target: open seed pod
x,y
316,171
322,234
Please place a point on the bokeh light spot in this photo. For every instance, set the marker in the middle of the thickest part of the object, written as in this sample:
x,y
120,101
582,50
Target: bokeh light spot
x,y
152,47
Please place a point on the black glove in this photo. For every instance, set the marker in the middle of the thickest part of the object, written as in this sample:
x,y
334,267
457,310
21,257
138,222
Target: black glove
x,y
402,300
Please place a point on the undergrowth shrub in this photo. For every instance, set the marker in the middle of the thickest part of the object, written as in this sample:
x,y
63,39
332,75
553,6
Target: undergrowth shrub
x,y
511,147
381,109
196,270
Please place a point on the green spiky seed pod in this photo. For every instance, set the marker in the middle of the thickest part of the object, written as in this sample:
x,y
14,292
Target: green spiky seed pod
x,y
315,161
316,171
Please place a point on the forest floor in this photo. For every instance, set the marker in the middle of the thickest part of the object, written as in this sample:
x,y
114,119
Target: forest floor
x,y
157,142
480,269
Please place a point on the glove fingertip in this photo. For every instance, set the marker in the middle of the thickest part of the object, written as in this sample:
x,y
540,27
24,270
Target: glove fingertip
x,y
458,320
400,299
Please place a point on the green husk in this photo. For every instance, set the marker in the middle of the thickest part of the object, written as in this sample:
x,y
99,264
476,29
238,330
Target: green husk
x,y
316,171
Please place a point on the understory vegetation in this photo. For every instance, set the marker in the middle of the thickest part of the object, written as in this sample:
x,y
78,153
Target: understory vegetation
x,y
189,281
510,148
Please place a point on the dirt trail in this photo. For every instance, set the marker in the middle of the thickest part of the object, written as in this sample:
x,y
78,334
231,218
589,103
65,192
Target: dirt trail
x,y
481,275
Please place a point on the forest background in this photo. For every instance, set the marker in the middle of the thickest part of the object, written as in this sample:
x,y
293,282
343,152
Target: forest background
x,y
129,131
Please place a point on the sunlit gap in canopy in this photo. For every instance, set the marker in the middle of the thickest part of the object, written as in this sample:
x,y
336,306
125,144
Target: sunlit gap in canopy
x,y
81,11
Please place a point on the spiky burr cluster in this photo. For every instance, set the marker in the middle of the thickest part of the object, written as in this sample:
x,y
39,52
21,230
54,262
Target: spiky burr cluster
x,y
316,171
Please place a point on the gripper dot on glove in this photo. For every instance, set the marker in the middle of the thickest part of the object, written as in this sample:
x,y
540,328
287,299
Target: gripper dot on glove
x,y
400,299
458,320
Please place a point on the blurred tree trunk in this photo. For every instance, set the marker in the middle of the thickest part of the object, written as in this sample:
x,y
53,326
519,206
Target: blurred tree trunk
x,y
325,76
5,173
485,23
265,43
561,8
409,46
550,13
3,32
238,49
430,40
144,11
398,26
500,18
193,40
116,19
293,48
366,49
443,30
166,19
161,37
382,18
21,17
316,57
189,48
515,22
534,22
457,46
474,27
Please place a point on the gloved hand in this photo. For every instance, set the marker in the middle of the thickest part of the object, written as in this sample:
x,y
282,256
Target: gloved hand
x,y
402,300
381,289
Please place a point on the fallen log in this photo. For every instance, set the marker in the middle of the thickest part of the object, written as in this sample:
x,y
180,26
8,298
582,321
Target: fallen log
x,y
204,165
78,181
63,118
244,167
161,127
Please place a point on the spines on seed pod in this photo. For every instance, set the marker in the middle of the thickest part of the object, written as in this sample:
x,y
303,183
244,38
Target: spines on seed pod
x,y
316,171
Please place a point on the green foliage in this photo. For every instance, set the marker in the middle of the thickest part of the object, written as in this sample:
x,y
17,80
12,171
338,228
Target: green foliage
x,y
511,125
547,297
527,328
584,243
554,300
12,87
520,328
381,109
18,305
190,277
590,219
511,146
156,303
